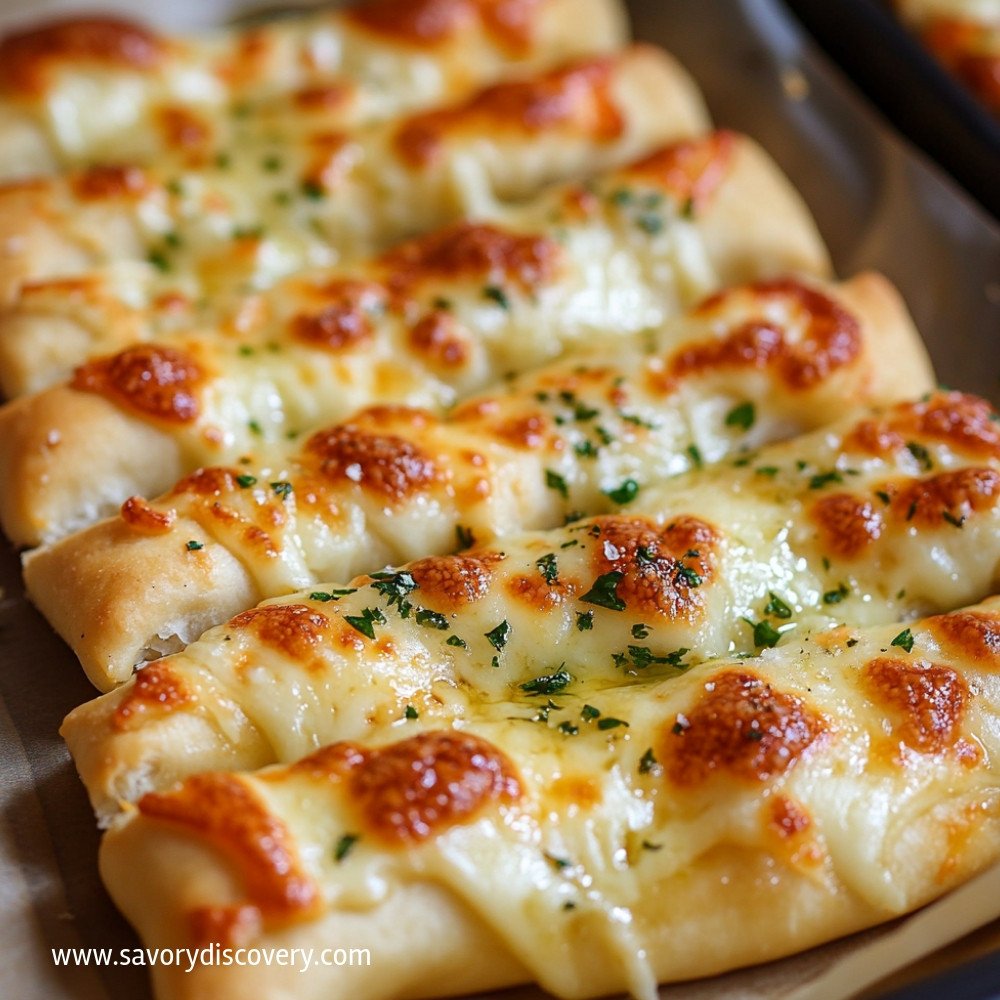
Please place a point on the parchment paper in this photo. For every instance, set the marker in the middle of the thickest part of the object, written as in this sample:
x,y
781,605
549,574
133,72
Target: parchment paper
x,y
878,203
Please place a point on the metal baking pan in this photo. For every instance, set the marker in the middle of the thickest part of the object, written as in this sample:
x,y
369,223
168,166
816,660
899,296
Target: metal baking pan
x,y
906,82
879,204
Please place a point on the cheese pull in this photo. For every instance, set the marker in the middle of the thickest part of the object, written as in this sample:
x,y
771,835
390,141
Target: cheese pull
x,y
247,218
74,88
869,521
585,435
595,837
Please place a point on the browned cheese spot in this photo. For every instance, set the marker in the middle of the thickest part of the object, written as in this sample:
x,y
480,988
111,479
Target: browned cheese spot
x,y
295,630
154,690
973,636
346,319
471,250
847,524
925,702
153,381
29,58
662,569
452,582
109,181
960,421
385,464
144,519
690,170
419,787
742,727
931,502
832,337
225,813
576,100
427,23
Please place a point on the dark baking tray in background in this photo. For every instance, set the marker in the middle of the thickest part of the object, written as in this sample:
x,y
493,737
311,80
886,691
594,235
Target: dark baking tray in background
x,y
921,98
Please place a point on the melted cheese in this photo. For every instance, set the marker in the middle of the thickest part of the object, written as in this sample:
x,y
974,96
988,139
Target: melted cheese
x,y
720,561
621,255
583,436
564,818
286,198
71,90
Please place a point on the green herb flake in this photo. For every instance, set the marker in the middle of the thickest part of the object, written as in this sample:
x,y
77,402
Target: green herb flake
x,y
496,294
767,470
904,640
255,427
955,522
584,621
325,596
193,546
836,596
556,482
608,722
283,489
585,449
411,712
271,163
694,453
821,479
921,454
245,481
776,606
640,631
648,762
344,846
650,223
691,577
548,683
431,619
312,190
742,416
588,713
464,536
365,622
568,728
498,637
454,640
548,568
764,633
558,863
604,592
625,493
159,260
648,845
884,497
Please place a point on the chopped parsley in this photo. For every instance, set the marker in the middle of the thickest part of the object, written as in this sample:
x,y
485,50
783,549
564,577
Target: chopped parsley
x,y
836,596
395,587
694,453
464,536
588,713
283,489
776,606
312,190
431,619
567,728
496,294
584,621
548,683
649,223
884,497
193,546
604,592
499,636
648,762
255,427
331,595
625,493
640,631
344,846
411,712
955,522
691,577
821,479
921,454
585,449
366,621
159,260
548,568
904,640
454,640
608,722
556,482
764,633
245,481
742,416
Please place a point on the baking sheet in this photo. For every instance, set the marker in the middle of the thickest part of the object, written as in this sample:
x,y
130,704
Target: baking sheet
x,y
879,205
